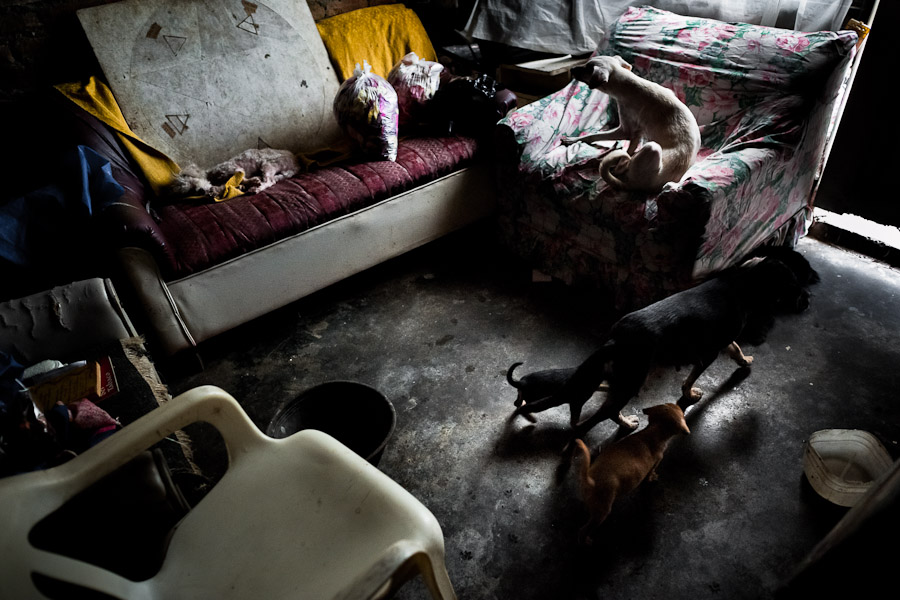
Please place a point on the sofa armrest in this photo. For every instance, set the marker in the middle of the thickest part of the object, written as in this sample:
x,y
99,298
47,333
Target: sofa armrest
x,y
736,199
154,310
126,222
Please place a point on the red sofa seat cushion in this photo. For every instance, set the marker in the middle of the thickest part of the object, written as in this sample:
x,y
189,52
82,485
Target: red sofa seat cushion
x,y
203,235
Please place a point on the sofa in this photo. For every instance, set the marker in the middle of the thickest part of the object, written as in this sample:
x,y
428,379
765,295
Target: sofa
x,y
189,271
766,100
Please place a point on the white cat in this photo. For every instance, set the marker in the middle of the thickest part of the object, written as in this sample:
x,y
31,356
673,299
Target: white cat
x,y
648,113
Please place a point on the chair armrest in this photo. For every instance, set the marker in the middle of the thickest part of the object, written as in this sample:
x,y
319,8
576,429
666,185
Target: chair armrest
x,y
31,331
753,150
531,135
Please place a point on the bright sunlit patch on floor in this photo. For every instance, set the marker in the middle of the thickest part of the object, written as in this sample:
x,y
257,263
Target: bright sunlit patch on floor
x,y
885,234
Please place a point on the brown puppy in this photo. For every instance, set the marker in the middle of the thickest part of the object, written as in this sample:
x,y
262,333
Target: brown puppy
x,y
623,466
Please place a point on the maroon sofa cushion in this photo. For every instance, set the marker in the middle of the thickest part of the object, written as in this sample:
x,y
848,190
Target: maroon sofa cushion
x,y
203,235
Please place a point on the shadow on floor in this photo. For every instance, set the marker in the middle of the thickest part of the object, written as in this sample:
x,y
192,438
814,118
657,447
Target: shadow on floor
x,y
435,330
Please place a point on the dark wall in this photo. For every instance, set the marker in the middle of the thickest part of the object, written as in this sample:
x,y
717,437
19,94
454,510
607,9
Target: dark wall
x,y
859,175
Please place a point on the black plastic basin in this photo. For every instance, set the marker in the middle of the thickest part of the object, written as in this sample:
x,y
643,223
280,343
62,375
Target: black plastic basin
x,y
357,415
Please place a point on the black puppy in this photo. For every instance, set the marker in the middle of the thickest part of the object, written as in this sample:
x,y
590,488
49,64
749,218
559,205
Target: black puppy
x,y
539,385
688,328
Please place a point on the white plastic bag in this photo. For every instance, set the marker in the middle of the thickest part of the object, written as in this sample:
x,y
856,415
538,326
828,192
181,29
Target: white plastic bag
x,y
415,82
367,111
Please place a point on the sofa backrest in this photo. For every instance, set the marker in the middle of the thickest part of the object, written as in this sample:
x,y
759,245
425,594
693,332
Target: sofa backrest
x,y
203,81
717,68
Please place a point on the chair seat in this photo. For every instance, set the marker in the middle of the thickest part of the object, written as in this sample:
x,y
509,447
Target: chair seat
x,y
319,513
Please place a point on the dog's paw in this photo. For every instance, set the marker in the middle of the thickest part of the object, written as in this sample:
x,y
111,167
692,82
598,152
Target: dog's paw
x,y
694,394
252,185
746,361
631,422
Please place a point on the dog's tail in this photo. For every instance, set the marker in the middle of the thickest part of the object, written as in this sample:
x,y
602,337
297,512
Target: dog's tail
x,y
509,375
606,166
586,480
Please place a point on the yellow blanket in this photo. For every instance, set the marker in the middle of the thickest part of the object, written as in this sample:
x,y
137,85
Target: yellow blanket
x,y
97,99
380,35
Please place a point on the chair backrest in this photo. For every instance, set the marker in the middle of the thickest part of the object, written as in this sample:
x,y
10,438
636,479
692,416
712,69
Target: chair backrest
x,y
303,515
27,498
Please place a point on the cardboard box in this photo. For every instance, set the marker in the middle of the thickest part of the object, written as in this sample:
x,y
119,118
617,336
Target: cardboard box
x,y
94,380
538,78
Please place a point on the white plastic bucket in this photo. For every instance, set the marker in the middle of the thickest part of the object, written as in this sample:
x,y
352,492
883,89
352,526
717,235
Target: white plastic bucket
x,y
842,464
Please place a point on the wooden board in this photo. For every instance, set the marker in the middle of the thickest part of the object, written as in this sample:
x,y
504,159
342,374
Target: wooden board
x,y
203,80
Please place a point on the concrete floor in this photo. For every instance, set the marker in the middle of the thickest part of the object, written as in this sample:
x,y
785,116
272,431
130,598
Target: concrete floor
x,y
435,330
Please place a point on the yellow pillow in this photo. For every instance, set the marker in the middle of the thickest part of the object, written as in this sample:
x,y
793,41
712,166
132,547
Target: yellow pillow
x,y
380,35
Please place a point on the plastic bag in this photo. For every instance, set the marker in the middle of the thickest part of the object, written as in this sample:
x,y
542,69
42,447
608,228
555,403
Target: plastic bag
x,y
470,106
415,81
366,109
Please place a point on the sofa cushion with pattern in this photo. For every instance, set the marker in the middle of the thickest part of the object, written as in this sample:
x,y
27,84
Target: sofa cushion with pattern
x,y
203,235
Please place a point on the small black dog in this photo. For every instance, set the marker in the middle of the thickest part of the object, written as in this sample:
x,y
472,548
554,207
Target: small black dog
x,y
690,327
539,385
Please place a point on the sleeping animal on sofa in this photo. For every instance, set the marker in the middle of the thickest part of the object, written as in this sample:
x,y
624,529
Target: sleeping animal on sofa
x,y
259,168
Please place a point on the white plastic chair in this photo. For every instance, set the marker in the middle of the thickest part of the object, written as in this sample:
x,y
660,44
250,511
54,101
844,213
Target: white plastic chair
x,y
301,517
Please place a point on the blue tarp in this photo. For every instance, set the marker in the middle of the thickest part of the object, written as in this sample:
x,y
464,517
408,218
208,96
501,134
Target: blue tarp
x,y
29,223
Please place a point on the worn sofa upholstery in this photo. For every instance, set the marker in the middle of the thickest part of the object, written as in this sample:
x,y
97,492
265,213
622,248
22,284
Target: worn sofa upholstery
x,y
190,271
765,100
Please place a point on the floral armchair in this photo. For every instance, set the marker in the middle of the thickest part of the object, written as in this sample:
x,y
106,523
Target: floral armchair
x,y
765,101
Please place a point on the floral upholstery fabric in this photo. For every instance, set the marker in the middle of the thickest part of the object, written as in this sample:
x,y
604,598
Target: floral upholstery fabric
x,y
764,100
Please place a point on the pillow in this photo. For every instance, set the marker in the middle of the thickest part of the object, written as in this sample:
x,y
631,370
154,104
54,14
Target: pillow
x,y
366,110
380,34
718,67
415,82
